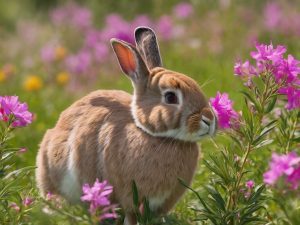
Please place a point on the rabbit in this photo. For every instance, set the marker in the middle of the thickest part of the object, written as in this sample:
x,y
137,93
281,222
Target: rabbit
x,y
149,137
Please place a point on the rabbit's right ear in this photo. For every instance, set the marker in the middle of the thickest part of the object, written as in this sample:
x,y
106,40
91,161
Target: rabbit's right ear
x,y
130,61
146,43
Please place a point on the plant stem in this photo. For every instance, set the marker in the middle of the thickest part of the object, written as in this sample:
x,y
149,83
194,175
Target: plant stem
x,y
291,134
240,174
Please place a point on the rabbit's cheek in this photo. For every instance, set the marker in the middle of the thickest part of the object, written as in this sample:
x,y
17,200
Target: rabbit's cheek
x,y
193,123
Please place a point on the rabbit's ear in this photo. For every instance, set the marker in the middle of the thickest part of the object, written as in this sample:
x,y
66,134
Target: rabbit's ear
x,y
130,60
146,43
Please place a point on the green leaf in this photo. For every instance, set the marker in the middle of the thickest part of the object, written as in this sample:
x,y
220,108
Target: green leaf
x,y
264,143
182,182
252,99
135,194
264,132
256,195
147,211
217,197
259,83
271,104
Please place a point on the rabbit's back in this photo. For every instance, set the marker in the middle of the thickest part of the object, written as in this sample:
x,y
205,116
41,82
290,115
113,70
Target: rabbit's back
x,y
70,154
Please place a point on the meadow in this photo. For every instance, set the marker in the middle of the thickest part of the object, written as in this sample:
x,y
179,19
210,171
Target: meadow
x,y
55,52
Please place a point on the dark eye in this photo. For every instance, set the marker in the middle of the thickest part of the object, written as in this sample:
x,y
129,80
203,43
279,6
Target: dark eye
x,y
171,98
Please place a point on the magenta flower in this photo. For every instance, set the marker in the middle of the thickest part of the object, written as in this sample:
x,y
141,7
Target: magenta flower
x,y
81,18
222,106
49,196
10,106
92,37
164,27
59,15
141,20
100,52
272,15
79,63
72,15
268,52
294,178
250,184
14,206
48,54
22,150
28,201
293,96
244,69
98,197
183,10
283,165
288,70
117,27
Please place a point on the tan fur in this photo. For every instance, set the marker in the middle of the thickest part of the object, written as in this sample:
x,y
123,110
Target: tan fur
x,y
111,135
106,128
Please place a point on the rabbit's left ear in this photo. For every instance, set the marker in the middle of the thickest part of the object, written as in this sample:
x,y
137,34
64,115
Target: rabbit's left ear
x,y
146,43
130,61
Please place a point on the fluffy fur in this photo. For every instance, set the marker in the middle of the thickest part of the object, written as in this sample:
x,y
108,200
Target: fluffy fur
x,y
111,135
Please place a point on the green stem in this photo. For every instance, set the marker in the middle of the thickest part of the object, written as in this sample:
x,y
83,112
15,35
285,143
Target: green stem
x,y
3,139
291,135
240,175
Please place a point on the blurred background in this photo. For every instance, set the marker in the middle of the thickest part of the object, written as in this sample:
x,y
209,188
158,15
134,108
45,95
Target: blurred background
x,y
54,52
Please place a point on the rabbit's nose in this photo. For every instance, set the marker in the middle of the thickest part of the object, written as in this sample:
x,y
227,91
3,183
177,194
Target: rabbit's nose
x,y
210,120
205,121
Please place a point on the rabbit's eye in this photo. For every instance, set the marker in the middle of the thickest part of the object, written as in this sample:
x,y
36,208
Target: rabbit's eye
x,y
171,98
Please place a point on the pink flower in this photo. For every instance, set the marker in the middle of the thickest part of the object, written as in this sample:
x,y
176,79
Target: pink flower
x,y
48,54
288,69
98,197
294,178
59,15
250,184
100,52
49,196
22,150
183,10
165,27
293,97
141,20
92,37
222,106
81,18
10,106
244,69
14,206
28,201
117,27
79,63
72,15
268,52
282,165
272,15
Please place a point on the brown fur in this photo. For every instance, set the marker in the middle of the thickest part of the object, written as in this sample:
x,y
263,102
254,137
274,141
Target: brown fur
x,y
113,136
105,128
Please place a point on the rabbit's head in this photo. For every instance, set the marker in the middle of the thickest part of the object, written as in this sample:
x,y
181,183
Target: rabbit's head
x,y
165,103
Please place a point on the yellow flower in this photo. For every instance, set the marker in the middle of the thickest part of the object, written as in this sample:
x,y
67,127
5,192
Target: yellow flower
x,y
33,83
62,78
2,76
60,53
